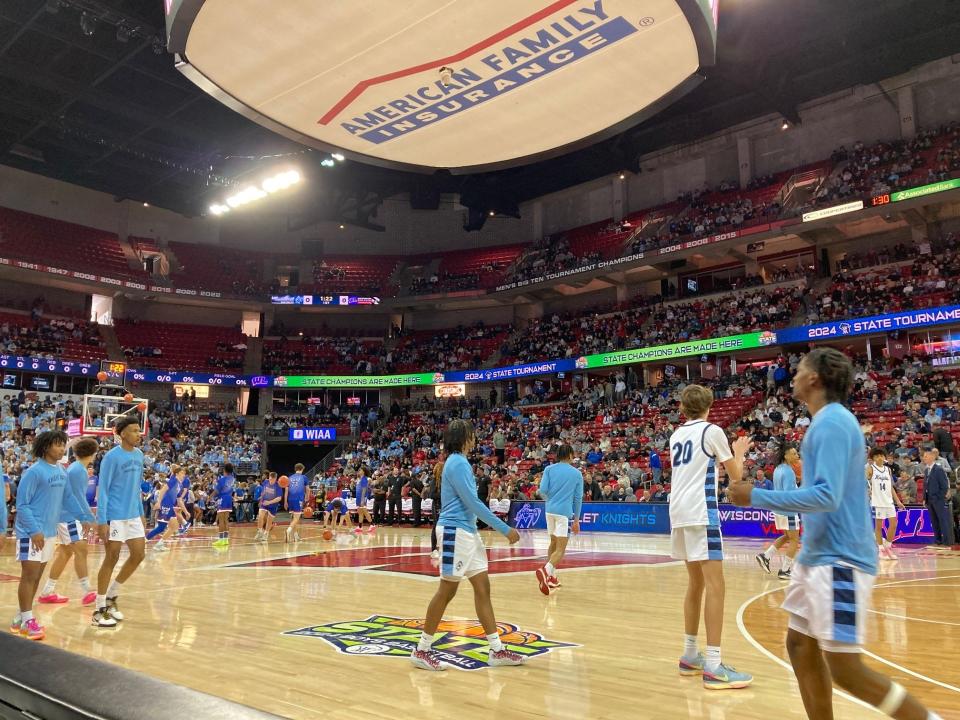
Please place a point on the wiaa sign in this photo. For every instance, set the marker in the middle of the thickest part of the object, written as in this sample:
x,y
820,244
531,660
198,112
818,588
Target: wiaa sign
x,y
312,434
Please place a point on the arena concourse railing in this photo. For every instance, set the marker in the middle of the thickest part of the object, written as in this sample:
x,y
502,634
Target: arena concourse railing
x,y
801,334
40,681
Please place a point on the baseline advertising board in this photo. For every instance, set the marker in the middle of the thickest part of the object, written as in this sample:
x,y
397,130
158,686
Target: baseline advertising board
x,y
913,524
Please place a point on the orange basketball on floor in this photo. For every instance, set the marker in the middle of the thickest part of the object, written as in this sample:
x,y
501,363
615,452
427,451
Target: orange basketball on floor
x,y
327,535
283,481
308,512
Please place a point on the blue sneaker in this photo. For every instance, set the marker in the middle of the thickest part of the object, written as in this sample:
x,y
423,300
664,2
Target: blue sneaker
x,y
725,678
688,668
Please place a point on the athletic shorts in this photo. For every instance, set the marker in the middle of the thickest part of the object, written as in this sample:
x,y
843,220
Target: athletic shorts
x,y
338,508
165,514
295,504
462,553
224,504
26,553
123,530
272,509
69,533
829,603
696,543
558,525
786,522
883,512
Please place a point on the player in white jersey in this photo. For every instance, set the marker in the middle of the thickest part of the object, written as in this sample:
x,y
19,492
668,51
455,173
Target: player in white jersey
x,y
882,498
696,448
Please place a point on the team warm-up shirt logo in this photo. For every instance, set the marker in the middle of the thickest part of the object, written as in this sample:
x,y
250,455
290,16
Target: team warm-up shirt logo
x,y
459,643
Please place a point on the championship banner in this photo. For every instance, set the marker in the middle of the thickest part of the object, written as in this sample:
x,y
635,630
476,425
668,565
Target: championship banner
x,y
356,381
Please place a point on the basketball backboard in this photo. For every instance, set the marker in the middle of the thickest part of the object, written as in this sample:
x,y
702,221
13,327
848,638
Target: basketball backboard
x,y
101,413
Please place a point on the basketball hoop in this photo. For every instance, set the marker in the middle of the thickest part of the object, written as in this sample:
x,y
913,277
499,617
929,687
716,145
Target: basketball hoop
x,y
102,412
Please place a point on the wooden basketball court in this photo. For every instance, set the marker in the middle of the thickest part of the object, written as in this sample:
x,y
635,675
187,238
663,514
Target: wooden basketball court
x,y
605,645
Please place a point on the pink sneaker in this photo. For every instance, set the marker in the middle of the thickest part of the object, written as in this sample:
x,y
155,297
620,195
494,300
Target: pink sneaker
x,y
504,657
90,598
357,530
54,599
32,630
553,582
372,530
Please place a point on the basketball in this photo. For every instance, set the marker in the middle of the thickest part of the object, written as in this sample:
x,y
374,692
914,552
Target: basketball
x,y
327,535
142,407
283,481
308,512
102,376
128,397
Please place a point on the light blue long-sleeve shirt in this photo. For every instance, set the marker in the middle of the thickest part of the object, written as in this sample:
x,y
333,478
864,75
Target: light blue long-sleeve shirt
x,y
562,488
121,473
75,505
39,499
460,506
836,510
784,478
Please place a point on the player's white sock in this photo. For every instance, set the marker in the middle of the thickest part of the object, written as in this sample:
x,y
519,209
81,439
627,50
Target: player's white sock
x,y
101,602
49,587
426,642
27,616
887,543
494,640
114,589
550,569
770,552
787,564
84,584
690,647
711,658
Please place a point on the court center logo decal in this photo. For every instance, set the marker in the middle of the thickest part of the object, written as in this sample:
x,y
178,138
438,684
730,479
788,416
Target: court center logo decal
x,y
459,643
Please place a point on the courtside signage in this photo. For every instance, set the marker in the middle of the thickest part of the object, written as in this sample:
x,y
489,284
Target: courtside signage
x,y
461,644
481,85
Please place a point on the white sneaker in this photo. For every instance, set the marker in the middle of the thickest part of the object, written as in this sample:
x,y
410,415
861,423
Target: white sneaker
x,y
435,558
160,547
505,657
426,660
891,555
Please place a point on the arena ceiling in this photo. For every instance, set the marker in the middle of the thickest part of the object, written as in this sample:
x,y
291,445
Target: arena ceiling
x,y
88,95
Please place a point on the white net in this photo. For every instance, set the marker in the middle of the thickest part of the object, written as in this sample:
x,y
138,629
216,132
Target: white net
x,y
102,412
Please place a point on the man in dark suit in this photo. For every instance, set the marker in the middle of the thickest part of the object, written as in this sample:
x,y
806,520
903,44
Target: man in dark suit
x,y
943,442
935,488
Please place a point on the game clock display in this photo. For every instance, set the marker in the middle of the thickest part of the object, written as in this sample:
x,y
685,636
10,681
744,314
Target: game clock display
x,y
116,371
880,200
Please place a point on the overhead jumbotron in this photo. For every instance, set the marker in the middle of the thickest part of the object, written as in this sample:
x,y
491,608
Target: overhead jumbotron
x,y
460,85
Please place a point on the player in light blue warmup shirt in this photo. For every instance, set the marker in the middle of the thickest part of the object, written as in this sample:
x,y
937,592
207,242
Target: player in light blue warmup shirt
x,y
784,478
76,522
39,501
829,593
562,488
295,495
463,554
363,494
119,513
4,499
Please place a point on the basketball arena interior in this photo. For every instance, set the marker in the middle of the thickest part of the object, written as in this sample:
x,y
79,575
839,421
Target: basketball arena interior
x,y
306,257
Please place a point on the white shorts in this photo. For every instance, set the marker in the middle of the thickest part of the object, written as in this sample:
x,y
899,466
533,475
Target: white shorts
x,y
462,553
883,512
25,551
558,525
786,522
69,533
123,530
829,603
696,543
